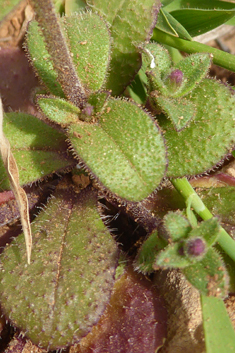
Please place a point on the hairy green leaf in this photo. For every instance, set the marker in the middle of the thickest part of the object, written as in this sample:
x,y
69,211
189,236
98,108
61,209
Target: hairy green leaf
x,y
124,149
208,230
176,225
171,257
63,292
208,275
88,39
208,138
58,110
194,68
41,60
147,253
179,110
58,49
39,149
131,24
156,62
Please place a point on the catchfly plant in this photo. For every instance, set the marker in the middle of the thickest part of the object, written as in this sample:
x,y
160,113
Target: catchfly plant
x,y
121,107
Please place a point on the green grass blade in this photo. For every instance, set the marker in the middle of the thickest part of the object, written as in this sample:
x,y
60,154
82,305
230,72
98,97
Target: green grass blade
x,y
218,329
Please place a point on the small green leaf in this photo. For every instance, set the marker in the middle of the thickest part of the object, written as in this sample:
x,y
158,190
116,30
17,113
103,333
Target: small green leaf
x,y
147,253
124,149
41,59
39,149
171,257
220,201
156,61
174,81
179,110
201,145
208,275
131,24
58,110
176,225
218,329
63,292
194,68
88,39
97,100
168,24
208,230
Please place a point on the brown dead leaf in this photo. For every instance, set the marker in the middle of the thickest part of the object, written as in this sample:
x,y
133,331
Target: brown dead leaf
x,y
13,174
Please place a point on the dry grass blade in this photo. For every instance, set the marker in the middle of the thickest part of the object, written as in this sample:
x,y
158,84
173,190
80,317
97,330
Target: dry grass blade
x,y
13,174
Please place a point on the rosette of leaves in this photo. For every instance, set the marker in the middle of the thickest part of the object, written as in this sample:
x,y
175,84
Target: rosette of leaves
x,y
169,87
63,292
195,113
190,249
115,140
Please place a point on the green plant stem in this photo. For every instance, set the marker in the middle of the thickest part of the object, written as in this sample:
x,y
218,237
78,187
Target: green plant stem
x,y
220,57
185,189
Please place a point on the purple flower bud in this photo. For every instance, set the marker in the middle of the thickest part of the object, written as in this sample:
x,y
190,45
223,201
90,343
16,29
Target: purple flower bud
x,y
195,247
176,77
88,110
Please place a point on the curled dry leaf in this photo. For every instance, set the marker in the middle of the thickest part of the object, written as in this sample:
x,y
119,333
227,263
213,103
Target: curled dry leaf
x,y
13,174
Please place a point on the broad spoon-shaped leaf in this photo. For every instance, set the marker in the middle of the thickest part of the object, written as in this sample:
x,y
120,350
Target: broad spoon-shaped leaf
x,y
59,297
123,148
